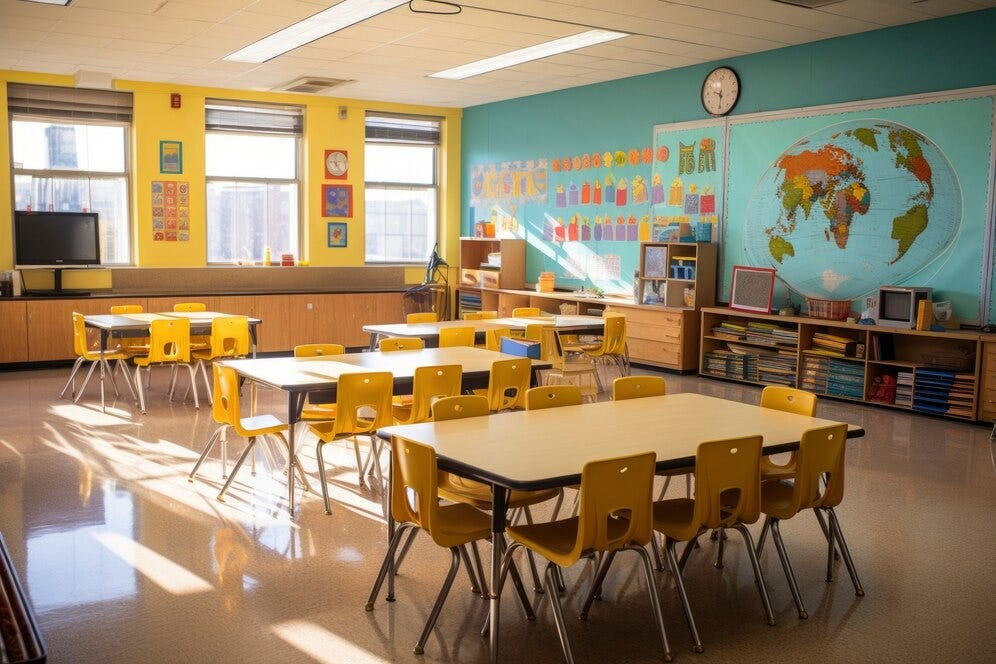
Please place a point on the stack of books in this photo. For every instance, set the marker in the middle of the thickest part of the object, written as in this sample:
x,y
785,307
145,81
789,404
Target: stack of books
x,y
729,330
470,300
769,334
845,379
944,392
904,389
815,370
728,364
776,368
833,346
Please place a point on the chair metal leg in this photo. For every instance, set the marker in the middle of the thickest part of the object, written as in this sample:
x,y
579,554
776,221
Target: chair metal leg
x,y
480,570
669,548
207,450
386,565
596,584
758,576
93,365
141,392
558,613
655,601
72,377
776,535
471,574
295,462
405,548
235,471
440,599
124,372
360,466
321,476
839,536
764,534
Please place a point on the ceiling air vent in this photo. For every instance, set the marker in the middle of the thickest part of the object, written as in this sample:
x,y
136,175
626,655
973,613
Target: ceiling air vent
x,y
809,4
311,84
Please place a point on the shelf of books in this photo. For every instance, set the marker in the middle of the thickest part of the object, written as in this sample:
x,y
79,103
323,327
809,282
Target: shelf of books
x,y
926,371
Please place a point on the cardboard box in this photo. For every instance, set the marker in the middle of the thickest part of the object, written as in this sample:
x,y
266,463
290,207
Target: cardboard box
x,y
489,278
521,347
470,277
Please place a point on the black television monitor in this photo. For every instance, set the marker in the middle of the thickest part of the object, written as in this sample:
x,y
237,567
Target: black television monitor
x,y
56,239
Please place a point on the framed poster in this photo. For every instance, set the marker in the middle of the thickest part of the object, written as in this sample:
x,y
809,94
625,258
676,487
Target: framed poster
x,y
337,234
171,157
751,289
337,200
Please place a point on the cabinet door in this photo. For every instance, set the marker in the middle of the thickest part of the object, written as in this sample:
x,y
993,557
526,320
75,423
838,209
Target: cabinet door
x,y
287,320
342,316
14,335
50,324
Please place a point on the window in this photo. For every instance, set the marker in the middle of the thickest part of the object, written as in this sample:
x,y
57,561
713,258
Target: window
x,y
402,191
70,153
252,157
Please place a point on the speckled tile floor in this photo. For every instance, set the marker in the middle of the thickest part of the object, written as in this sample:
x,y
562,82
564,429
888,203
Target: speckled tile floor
x,y
125,561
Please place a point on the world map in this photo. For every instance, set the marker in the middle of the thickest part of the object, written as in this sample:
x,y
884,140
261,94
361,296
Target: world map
x,y
852,207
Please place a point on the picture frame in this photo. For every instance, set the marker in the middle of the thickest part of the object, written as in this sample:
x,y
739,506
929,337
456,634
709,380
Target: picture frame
x,y
751,289
337,200
171,157
337,234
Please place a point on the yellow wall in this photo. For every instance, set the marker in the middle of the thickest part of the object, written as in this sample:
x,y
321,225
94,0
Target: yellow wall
x,y
155,121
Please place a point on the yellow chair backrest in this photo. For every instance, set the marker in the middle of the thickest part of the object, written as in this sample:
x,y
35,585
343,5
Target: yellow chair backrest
x,y
169,341
225,407
119,309
81,345
508,383
493,337
230,336
357,394
821,454
610,487
422,317
789,399
462,335
189,306
614,336
460,406
552,396
318,350
526,312
400,343
480,315
431,384
727,483
635,387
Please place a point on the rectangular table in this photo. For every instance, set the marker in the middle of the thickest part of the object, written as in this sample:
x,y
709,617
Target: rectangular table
x,y
547,448
300,376
429,332
137,325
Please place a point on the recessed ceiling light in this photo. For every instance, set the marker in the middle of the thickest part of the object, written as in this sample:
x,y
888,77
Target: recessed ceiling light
x,y
529,53
50,2
343,15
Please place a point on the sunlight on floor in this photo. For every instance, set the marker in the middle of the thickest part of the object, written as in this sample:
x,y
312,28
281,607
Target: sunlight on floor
x,y
321,644
156,568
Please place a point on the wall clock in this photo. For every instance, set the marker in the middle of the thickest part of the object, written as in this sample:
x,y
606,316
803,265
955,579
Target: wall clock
x,y
336,164
720,91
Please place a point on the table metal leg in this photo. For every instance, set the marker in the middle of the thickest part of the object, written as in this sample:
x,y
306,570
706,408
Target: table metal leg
x,y
103,348
499,506
295,402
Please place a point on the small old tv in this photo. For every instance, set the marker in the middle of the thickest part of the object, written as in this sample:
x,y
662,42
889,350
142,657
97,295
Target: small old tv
x,y
898,305
56,240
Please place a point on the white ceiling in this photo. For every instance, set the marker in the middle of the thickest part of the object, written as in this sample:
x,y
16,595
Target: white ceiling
x,y
387,58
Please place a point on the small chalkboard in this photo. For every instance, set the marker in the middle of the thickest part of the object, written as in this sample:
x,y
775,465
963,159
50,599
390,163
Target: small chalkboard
x,y
751,289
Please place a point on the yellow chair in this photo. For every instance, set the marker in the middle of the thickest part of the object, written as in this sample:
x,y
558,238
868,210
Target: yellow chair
x,y
429,384
227,412
507,384
727,495
169,344
85,353
318,411
526,312
415,505
492,337
564,370
635,387
612,346
200,341
462,335
357,394
789,400
552,396
189,306
229,339
133,345
391,344
609,488
820,455
422,317
122,309
480,315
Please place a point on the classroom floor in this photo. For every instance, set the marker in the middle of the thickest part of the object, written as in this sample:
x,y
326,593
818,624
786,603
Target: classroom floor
x,y
125,561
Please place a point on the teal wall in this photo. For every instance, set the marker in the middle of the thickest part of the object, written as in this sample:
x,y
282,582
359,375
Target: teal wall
x,y
944,54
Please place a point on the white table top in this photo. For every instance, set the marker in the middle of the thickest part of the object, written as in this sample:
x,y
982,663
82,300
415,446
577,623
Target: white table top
x,y
549,447
142,320
428,330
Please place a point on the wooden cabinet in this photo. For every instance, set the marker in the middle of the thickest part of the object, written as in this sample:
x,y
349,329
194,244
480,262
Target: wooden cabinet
x,y
478,273
50,324
925,371
14,333
661,337
677,274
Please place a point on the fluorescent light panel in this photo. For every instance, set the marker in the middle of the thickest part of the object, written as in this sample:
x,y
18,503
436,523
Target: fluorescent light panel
x,y
50,2
529,53
333,19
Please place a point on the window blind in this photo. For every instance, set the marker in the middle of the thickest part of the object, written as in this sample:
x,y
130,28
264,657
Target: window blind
x,y
400,129
269,118
69,103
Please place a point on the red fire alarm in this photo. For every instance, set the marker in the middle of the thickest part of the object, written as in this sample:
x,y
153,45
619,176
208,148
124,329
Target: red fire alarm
x,y
174,100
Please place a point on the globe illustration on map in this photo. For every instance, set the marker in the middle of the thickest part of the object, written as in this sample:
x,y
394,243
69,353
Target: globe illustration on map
x,y
852,207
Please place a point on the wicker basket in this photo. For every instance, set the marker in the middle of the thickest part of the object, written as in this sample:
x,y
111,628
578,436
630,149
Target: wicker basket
x,y
829,309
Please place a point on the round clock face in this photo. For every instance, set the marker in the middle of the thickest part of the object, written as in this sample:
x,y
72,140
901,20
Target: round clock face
x,y
720,91
337,163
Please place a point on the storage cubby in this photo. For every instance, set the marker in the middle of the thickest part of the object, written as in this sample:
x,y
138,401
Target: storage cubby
x,y
677,274
479,271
